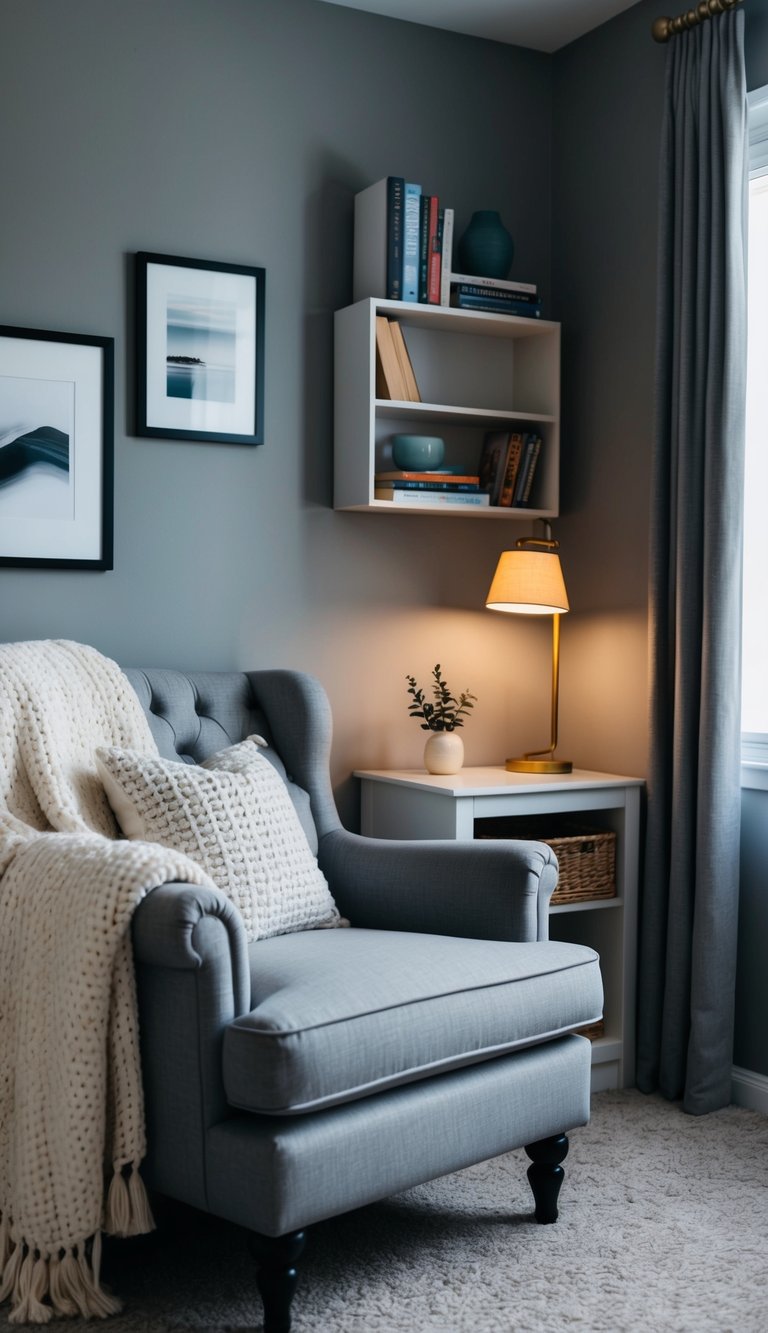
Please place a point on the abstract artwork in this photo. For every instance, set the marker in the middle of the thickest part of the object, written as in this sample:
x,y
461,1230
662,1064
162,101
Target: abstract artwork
x,y
200,349
56,449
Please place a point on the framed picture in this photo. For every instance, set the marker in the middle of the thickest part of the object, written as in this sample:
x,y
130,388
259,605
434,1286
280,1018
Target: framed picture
x,y
56,449
200,350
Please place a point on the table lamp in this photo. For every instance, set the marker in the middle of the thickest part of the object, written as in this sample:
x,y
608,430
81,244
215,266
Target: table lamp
x,y
529,581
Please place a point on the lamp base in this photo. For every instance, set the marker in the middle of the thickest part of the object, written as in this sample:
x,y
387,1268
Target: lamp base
x,y
539,766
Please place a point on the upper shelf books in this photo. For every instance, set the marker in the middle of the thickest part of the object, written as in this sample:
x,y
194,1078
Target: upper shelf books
x,y
403,250
401,237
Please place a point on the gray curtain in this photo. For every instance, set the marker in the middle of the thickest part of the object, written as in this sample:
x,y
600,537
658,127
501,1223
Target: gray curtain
x,y
690,890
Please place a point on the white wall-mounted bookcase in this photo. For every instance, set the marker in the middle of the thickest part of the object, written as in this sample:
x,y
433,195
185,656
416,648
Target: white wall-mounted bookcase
x,y
476,372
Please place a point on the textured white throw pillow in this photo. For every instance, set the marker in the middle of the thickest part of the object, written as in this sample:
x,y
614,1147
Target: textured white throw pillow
x,y
234,817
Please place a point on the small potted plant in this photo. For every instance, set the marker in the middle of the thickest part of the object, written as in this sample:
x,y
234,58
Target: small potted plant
x,y
444,750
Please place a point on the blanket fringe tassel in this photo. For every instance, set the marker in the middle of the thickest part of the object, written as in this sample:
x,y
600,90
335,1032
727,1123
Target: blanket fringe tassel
x,y
127,1210
40,1284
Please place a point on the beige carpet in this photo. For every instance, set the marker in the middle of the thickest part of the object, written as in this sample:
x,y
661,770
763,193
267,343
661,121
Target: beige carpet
x,y
663,1227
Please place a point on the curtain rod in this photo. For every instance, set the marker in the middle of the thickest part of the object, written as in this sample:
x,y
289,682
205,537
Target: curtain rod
x,y
663,29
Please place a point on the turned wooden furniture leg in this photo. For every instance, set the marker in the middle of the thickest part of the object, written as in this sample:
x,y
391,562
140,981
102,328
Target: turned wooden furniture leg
x,y
546,1174
277,1257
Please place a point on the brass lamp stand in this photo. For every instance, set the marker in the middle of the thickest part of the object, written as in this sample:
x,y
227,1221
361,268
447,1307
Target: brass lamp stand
x,y
529,581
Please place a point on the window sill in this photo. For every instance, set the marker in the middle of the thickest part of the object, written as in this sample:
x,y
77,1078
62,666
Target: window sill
x,y
754,775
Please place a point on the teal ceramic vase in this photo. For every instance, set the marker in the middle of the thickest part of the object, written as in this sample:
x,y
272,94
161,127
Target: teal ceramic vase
x,y
486,248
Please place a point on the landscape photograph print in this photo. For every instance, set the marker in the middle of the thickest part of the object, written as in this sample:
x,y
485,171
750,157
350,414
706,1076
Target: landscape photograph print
x,y
199,349
201,338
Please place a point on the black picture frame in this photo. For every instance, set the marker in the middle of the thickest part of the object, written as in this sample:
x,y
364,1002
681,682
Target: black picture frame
x,y
211,387
57,413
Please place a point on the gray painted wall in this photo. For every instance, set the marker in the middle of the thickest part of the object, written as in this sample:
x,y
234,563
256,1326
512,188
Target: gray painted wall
x,y
607,110
240,131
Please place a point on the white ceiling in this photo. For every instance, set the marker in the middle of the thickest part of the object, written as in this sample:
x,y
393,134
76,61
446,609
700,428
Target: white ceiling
x,y
545,25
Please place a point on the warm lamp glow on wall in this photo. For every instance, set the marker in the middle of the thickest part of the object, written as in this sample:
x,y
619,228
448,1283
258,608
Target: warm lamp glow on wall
x,y
529,582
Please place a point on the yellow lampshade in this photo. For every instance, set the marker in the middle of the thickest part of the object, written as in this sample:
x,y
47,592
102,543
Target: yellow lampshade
x,y
529,583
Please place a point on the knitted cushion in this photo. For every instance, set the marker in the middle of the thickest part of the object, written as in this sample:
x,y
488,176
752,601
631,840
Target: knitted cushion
x,y
234,817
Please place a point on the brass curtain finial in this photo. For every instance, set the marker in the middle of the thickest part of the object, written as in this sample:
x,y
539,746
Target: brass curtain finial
x,y
664,28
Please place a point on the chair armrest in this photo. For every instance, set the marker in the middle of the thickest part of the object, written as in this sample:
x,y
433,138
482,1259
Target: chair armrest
x,y
192,981
174,927
495,890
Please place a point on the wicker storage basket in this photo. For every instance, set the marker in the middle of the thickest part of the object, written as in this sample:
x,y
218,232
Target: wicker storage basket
x,y
586,856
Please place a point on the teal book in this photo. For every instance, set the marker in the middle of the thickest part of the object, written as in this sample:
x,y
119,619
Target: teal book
x,y
411,212
497,293
530,309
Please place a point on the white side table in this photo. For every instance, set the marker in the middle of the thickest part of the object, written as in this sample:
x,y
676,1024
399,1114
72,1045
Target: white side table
x,y
410,803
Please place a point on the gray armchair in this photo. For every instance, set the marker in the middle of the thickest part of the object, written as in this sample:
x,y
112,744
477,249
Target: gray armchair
x,y
304,1075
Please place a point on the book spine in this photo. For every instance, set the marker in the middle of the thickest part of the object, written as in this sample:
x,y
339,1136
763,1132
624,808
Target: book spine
x,y
476,280
495,293
435,242
411,197
390,382
395,191
424,204
523,470
528,484
493,459
434,474
450,486
435,498
401,351
512,469
532,470
447,256
493,303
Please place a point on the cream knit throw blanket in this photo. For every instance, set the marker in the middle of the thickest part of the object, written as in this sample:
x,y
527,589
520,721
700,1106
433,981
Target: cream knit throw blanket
x,y
71,1111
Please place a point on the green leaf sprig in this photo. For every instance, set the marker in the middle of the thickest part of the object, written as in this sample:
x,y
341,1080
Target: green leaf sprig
x,y
447,712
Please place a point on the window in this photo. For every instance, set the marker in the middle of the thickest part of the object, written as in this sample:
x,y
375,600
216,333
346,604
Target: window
x,y
755,623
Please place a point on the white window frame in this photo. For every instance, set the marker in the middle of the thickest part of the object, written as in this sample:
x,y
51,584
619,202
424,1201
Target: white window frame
x,y
754,745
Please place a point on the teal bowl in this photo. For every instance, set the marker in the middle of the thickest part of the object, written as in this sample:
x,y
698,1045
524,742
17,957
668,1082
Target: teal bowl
x,y
418,453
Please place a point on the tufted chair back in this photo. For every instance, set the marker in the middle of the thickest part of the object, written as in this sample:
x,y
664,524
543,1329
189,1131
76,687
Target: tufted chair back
x,y
194,715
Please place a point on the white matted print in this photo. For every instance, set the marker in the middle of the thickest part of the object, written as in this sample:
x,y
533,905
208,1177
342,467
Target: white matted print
x,y
200,349
56,449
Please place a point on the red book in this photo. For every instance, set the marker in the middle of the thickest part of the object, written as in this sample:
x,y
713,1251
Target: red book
x,y
433,252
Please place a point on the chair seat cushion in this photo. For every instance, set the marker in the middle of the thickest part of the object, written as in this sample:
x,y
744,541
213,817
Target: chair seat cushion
x,y
338,1015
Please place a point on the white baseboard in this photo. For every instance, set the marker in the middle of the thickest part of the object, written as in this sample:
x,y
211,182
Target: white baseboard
x,y
749,1089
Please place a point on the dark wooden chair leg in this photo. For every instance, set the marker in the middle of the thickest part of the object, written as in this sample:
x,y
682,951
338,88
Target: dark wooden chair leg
x,y
545,1174
277,1257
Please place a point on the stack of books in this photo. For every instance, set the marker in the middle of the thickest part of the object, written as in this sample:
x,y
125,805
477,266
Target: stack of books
x,y
403,243
404,251
440,487
496,294
507,467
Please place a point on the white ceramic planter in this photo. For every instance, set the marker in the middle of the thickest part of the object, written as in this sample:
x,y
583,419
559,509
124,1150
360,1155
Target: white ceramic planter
x,y
444,752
